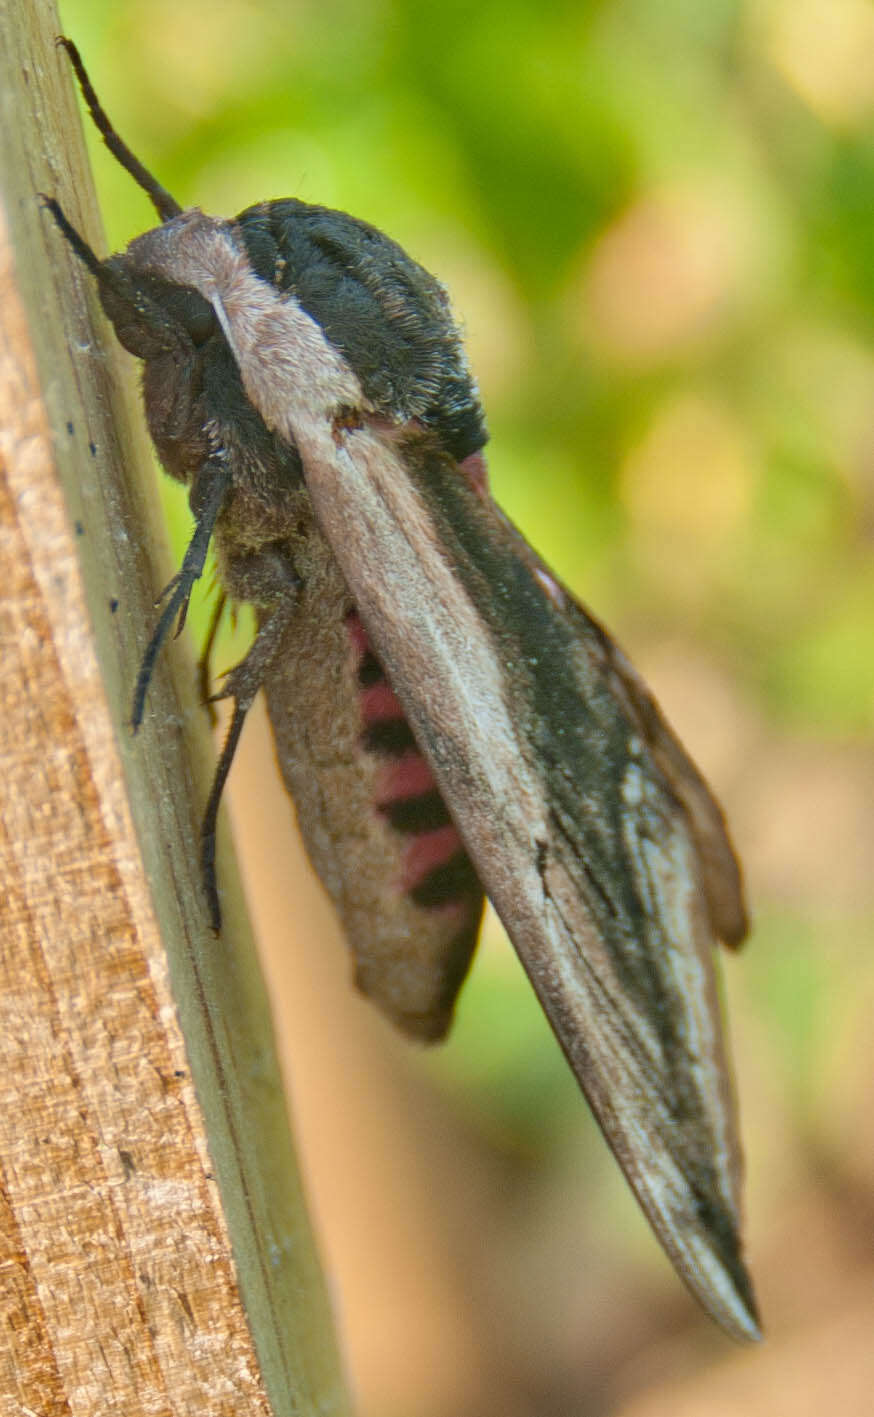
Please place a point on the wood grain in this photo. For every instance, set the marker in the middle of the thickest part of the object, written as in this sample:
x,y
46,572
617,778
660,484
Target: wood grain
x,y
147,1179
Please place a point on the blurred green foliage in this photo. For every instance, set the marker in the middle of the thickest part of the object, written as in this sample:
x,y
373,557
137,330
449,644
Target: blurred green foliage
x,y
654,217
506,145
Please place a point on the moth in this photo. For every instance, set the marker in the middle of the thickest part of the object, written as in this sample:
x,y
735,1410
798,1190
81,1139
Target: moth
x,y
450,722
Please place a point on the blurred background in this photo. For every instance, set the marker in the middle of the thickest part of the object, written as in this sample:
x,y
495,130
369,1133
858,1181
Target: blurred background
x,y
656,220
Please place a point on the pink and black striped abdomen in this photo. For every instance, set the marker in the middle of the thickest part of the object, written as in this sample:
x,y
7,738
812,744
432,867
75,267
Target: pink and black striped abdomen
x,y
375,825
435,869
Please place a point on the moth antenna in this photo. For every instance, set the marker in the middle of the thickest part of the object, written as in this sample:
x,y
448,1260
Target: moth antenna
x,y
165,205
191,571
72,237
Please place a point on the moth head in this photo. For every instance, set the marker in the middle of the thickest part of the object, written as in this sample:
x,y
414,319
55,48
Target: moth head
x,y
167,324
153,316
387,316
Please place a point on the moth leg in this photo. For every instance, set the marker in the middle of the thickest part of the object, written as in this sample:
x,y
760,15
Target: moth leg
x,y
242,685
204,663
208,497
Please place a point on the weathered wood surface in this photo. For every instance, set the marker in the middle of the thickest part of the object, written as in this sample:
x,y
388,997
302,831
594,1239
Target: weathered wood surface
x,y
130,1148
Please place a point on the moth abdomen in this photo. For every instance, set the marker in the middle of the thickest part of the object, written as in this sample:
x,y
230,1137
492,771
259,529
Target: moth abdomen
x,y
388,736
447,873
434,868
414,815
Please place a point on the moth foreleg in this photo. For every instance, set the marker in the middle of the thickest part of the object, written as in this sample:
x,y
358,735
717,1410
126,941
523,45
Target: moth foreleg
x,y
241,685
208,497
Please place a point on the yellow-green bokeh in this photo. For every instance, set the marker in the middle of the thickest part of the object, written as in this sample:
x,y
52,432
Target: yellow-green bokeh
x,y
656,220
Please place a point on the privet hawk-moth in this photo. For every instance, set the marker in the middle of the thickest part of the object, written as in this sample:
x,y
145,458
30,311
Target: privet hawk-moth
x,y
450,722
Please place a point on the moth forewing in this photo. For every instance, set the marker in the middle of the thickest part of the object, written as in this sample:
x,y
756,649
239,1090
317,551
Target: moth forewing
x,y
720,873
635,1010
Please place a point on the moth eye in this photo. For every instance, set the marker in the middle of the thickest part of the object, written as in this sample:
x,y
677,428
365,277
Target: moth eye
x,y
195,315
201,325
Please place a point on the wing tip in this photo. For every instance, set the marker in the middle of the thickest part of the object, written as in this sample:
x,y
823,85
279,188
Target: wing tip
x,y
713,1268
736,1311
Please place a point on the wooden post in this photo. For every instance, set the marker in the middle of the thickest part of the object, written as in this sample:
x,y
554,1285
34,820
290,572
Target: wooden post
x,y
143,1132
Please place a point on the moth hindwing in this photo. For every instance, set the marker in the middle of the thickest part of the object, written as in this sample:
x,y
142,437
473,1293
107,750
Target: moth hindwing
x,y
450,722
